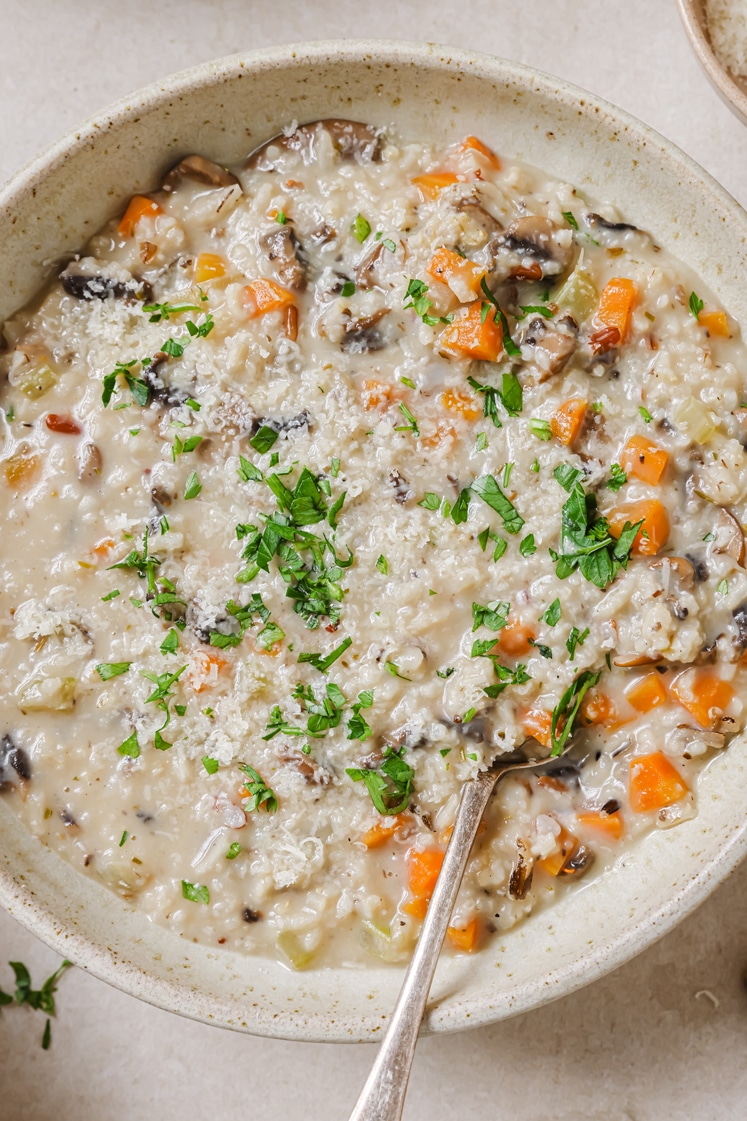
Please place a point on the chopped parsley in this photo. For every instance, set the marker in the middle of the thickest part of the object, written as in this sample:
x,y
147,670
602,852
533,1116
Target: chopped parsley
x,y
481,442
568,215
210,765
488,490
494,616
323,663
334,469
527,547
248,473
281,217
460,509
540,428
617,478
510,395
390,787
645,414
382,564
130,747
567,476
420,303
576,638
160,697
123,838
107,670
181,447
553,614
358,729
393,669
361,228
348,289
193,486
587,544
258,792
263,440
170,644
233,850
695,304
409,383
545,651
723,587
412,424
196,893
568,707
444,674
41,1000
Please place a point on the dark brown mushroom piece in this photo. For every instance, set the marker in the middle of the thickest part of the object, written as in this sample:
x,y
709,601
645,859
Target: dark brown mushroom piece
x,y
286,253
729,536
15,765
739,615
531,248
281,424
362,335
522,870
678,576
402,490
481,219
601,223
351,140
88,279
579,863
167,395
248,914
364,272
553,341
200,170
314,773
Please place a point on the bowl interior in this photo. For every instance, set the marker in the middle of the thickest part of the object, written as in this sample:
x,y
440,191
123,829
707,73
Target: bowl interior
x,y
223,110
731,88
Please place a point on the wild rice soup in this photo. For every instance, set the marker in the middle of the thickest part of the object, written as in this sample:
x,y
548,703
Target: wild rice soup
x,y
329,479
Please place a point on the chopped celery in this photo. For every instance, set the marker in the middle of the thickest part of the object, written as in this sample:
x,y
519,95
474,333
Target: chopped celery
x,y
294,949
578,295
47,693
695,419
35,383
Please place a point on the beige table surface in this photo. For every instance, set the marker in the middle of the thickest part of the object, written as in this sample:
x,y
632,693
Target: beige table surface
x,y
661,1039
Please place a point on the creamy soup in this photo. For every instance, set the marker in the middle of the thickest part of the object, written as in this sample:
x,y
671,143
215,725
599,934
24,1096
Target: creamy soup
x,y
328,479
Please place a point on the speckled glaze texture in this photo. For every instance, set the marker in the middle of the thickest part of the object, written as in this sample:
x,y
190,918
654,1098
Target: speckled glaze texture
x,y
729,89
224,109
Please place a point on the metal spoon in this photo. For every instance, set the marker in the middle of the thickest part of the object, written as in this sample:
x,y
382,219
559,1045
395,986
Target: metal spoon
x,y
383,1095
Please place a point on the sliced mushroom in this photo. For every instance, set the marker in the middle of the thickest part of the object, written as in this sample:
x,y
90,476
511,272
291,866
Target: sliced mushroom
x,y
364,273
285,251
282,424
89,279
679,567
167,395
603,223
351,139
311,771
402,490
531,248
579,863
482,219
15,765
520,879
700,570
553,343
201,171
739,614
729,536
90,463
362,335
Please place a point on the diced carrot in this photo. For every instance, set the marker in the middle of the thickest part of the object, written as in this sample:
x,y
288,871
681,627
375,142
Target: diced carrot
x,y
537,723
445,834
715,323
616,304
653,534
466,937
704,694
433,183
435,439
654,782
457,401
458,272
644,459
209,266
22,469
514,638
416,907
424,866
103,547
380,833
137,208
598,708
57,422
567,420
566,846
552,782
204,675
611,824
472,143
263,296
472,336
377,393
647,692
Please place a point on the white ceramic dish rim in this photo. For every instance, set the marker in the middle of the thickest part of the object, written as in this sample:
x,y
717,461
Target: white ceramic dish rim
x,y
730,92
17,893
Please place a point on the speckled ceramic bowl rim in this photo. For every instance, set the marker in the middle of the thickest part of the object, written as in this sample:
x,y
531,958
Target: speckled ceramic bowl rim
x,y
728,90
688,890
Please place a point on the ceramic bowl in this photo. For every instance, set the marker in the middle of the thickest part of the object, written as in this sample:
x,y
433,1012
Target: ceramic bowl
x,y
224,109
731,89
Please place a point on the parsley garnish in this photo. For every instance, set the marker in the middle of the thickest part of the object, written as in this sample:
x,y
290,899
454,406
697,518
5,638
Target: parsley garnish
x,y
210,765
233,850
553,613
488,490
281,217
323,663
587,544
617,479
568,707
164,683
393,669
130,747
412,424
348,289
419,302
382,564
39,999
107,670
388,244
264,439
567,214
444,674
193,486
527,547
545,651
390,787
481,442
723,587
157,312
494,616
361,228
576,638
196,893
460,509
181,447
505,677
259,793
358,729
645,414
696,305
170,644
540,428
567,476
123,838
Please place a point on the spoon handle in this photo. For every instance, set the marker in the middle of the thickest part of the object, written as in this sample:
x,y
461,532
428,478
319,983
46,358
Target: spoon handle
x,y
383,1095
